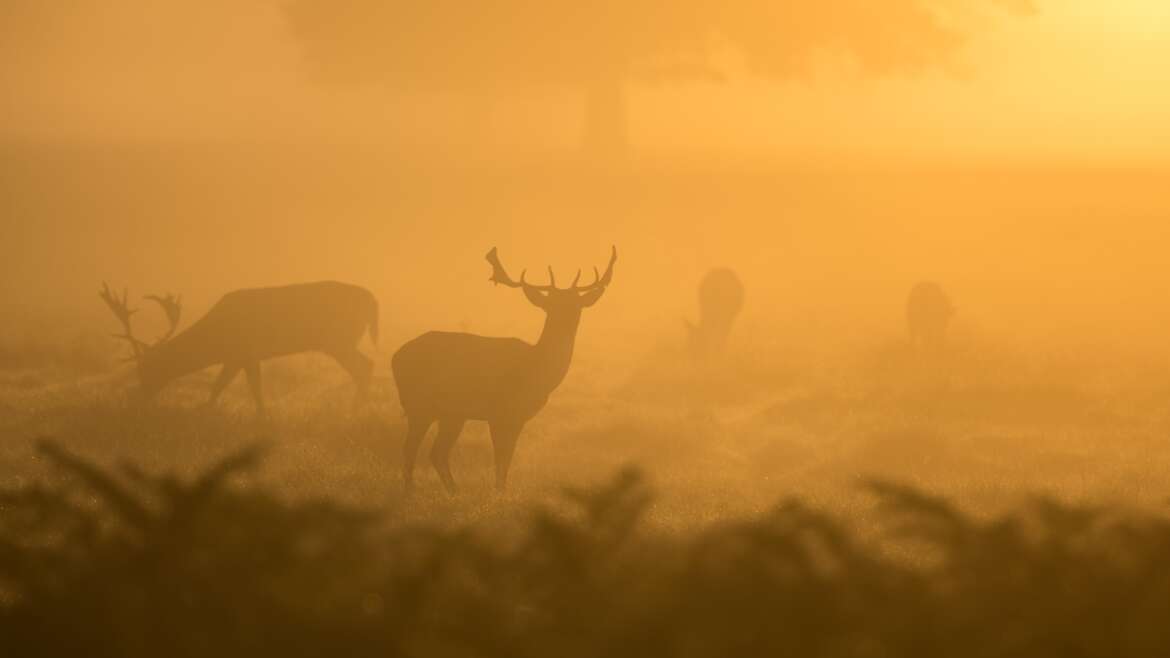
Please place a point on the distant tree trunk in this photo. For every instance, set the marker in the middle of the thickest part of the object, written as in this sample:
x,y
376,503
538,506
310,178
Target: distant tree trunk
x,y
606,135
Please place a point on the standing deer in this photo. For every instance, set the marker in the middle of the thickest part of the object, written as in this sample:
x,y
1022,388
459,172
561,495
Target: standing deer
x,y
246,327
720,302
455,377
928,314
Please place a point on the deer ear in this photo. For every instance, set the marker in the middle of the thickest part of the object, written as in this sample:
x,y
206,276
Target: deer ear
x,y
537,298
590,298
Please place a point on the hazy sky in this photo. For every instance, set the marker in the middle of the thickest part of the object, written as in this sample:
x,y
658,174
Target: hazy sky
x,y
1083,78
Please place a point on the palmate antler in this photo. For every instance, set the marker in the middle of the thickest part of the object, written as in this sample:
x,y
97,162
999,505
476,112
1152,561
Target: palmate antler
x,y
172,305
120,306
500,276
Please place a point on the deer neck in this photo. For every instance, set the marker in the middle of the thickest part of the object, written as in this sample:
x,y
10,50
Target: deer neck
x,y
554,350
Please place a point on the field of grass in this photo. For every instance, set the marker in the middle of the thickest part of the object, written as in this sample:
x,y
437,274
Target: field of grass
x,y
822,491
982,423
879,503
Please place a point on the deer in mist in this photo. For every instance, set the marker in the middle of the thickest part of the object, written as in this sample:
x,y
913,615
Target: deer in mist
x,y
928,314
248,326
451,378
720,302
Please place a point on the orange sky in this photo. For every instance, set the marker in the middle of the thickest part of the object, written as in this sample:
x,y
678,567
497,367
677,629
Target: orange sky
x,y
1086,79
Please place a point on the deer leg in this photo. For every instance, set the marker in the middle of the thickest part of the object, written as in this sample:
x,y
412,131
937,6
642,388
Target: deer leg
x,y
504,436
449,429
226,375
416,429
360,367
252,370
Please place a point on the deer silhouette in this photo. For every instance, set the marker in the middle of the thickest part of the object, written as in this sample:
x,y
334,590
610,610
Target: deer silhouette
x,y
720,302
248,326
928,315
451,378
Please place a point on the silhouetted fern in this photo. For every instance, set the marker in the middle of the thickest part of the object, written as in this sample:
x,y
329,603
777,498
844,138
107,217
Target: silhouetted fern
x,y
124,563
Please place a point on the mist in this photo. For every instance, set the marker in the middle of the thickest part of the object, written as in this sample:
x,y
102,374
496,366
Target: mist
x,y
874,350
206,124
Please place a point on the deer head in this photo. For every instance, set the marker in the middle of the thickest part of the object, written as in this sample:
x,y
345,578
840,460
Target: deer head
x,y
141,351
550,298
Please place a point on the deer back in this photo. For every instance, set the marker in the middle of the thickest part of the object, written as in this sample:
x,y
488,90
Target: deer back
x,y
442,374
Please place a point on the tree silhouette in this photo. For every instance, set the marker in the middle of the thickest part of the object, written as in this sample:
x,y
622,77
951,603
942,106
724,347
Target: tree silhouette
x,y
601,46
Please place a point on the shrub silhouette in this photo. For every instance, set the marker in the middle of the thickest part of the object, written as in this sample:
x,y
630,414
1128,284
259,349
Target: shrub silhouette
x,y
142,565
125,563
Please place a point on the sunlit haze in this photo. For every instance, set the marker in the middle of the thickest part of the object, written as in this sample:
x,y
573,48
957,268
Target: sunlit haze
x,y
825,328
1083,79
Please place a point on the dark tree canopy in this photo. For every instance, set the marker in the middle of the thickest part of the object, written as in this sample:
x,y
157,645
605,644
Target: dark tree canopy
x,y
467,44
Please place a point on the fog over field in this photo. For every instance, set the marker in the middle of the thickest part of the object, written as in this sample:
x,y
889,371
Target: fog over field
x,y
880,367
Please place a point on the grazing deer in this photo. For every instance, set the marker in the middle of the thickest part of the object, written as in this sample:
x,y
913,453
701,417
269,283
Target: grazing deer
x,y
455,377
928,314
720,301
246,327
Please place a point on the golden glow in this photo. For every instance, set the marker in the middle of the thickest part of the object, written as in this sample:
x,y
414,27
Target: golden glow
x,y
1080,78
1020,152
775,189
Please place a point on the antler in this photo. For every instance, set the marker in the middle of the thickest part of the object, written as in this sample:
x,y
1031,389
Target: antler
x,y
499,276
600,281
121,310
172,305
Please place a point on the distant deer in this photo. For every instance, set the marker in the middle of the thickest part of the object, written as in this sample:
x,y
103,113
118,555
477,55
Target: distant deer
x,y
246,327
455,377
720,302
928,315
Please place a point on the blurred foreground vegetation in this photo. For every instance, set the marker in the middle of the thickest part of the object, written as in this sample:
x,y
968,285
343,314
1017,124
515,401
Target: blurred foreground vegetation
x,y
119,562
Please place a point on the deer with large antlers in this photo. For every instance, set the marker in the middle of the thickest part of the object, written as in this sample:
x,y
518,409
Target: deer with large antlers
x,y
451,378
246,327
